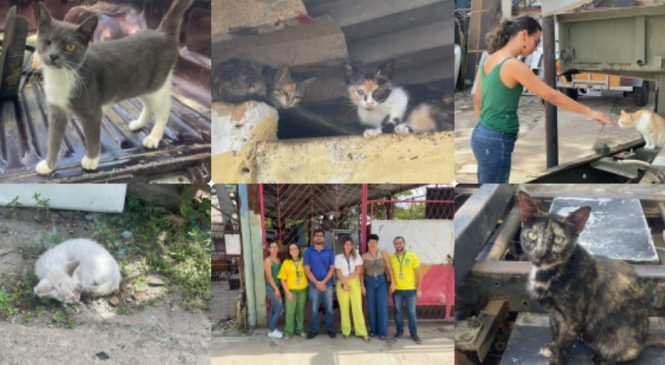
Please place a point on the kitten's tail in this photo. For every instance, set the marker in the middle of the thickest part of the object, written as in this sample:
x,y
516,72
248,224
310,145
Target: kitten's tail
x,y
173,18
655,341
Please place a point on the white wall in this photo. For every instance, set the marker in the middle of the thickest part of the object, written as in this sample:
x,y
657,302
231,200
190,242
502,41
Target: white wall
x,y
432,240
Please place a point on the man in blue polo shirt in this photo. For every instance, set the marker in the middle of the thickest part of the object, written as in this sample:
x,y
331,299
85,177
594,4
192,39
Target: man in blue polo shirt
x,y
319,261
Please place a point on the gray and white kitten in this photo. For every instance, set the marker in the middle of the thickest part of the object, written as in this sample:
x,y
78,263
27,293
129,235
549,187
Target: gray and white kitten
x,y
74,267
82,78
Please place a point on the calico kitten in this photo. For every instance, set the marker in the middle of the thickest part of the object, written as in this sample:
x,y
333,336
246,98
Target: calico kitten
x,y
115,20
237,81
82,78
74,267
648,123
591,298
384,107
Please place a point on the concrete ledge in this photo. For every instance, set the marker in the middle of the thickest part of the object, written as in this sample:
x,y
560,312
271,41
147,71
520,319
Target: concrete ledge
x,y
422,158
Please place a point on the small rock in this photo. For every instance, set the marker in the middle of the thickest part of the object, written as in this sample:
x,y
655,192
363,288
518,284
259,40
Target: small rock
x,y
89,217
127,234
139,296
114,301
102,355
153,280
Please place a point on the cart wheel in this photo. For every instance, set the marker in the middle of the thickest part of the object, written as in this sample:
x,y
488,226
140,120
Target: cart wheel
x,y
641,94
572,93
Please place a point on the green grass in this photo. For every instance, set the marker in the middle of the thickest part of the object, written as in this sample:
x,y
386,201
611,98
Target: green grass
x,y
175,245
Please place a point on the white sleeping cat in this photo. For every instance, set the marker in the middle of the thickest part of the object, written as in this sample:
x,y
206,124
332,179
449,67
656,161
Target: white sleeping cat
x,y
76,266
648,123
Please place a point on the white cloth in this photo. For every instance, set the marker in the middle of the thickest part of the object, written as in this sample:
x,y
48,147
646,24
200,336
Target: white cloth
x,y
344,265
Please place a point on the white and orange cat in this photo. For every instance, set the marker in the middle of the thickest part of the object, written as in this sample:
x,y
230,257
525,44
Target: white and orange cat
x,y
648,123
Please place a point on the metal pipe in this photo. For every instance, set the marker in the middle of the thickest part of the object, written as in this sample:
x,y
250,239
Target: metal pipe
x,y
248,262
551,132
506,233
363,217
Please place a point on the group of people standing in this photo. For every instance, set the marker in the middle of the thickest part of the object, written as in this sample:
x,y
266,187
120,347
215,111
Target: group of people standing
x,y
317,272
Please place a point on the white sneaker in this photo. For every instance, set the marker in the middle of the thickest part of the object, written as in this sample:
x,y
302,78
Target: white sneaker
x,y
275,334
279,332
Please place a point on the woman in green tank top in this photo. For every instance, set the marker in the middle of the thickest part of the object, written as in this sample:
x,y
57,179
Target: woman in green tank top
x,y
499,84
271,266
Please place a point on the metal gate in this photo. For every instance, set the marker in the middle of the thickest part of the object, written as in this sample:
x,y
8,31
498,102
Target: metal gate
x,y
430,202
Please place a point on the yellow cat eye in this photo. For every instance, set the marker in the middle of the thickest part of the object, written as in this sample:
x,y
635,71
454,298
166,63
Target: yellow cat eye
x,y
558,240
70,47
532,235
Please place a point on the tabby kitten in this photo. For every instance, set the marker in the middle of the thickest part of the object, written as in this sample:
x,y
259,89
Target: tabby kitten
x,y
82,78
386,108
237,81
591,298
648,123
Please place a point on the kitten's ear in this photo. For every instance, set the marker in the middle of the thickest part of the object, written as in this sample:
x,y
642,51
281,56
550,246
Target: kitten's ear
x,y
42,15
88,27
349,71
71,267
283,76
386,70
528,208
578,218
306,84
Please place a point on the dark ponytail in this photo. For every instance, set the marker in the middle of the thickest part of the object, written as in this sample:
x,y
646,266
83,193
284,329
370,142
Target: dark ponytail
x,y
499,36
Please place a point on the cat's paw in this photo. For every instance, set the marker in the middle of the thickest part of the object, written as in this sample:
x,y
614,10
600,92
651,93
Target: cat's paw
x,y
135,125
43,168
151,142
369,133
402,129
546,352
89,163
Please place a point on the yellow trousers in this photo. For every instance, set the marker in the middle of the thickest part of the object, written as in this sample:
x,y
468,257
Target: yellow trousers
x,y
354,299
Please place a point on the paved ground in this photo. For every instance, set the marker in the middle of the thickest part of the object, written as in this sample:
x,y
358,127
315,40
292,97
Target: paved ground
x,y
577,134
437,348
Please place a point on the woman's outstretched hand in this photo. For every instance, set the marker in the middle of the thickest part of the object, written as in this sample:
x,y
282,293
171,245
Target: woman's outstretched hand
x,y
601,117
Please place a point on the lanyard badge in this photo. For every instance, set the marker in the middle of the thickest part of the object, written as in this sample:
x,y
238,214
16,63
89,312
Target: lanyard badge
x,y
298,273
401,275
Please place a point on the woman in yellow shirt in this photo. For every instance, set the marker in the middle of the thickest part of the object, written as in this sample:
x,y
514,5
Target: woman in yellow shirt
x,y
294,282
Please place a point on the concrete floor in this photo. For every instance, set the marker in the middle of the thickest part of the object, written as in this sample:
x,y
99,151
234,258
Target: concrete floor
x,y
577,134
437,348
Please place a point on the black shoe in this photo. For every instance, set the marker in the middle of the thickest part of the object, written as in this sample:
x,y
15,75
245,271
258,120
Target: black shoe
x,y
311,335
332,334
397,336
416,339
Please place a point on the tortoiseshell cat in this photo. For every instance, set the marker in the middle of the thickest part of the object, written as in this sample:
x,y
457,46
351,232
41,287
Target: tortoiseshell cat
x,y
386,108
237,81
591,298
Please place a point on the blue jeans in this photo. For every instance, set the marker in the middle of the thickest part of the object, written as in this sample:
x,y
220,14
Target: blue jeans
x,y
315,296
276,308
399,298
493,151
377,303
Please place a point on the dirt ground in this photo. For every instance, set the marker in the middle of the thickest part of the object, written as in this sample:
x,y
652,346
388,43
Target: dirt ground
x,y
577,134
437,348
159,332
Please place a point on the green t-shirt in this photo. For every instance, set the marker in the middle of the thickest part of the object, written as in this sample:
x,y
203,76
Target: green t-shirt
x,y
498,103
